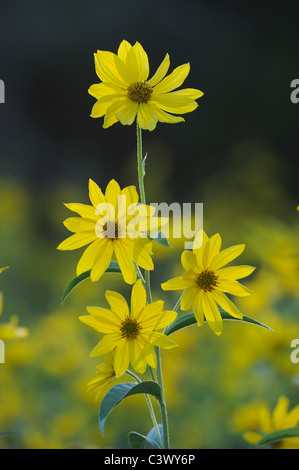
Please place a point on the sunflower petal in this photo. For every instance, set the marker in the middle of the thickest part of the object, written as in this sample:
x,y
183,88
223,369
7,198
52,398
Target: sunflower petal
x,y
142,250
162,341
280,412
112,192
233,288
99,90
99,323
146,119
138,299
188,298
162,116
113,110
174,80
192,93
101,106
159,319
77,241
121,358
84,210
79,224
95,194
176,283
224,302
161,72
235,272
107,344
102,260
198,308
188,260
174,103
226,256
125,261
142,62
151,315
107,68
212,314
123,50
88,257
117,304
127,115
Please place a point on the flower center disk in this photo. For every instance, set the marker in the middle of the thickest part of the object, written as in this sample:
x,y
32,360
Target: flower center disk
x,y
130,329
111,230
140,92
207,280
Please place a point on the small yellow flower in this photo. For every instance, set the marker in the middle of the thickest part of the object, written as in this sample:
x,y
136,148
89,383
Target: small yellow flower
x,y
205,280
105,377
11,330
2,269
265,423
131,336
112,231
125,90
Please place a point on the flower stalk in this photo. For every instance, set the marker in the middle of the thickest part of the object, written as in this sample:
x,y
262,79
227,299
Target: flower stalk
x,y
141,173
150,407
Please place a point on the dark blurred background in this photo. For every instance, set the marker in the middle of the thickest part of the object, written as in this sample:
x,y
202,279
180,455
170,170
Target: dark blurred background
x,y
237,153
243,56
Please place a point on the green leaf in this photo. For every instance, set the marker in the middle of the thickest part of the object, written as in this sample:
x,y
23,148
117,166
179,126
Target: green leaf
x,y
189,319
161,238
112,268
153,438
279,435
150,441
121,391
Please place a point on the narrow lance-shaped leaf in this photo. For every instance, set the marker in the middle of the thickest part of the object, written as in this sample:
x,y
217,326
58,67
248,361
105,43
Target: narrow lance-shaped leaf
x,y
112,268
150,441
121,391
189,319
161,238
279,435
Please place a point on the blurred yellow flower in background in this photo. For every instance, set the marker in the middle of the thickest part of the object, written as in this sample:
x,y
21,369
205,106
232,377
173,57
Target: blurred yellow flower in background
x,y
111,232
2,269
131,336
206,281
257,420
10,330
126,91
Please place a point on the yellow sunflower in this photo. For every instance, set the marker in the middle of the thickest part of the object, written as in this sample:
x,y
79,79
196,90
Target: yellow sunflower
x,y
111,232
125,90
260,422
130,335
205,281
105,378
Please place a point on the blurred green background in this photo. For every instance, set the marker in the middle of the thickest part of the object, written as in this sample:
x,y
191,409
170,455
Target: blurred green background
x,y
237,153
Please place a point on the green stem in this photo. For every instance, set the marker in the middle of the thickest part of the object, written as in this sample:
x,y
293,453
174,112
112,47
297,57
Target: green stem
x,y
148,291
150,406
177,304
140,165
139,274
162,403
